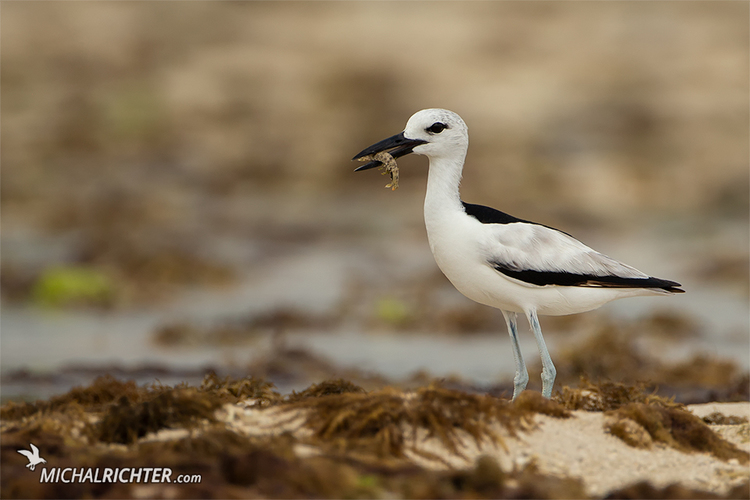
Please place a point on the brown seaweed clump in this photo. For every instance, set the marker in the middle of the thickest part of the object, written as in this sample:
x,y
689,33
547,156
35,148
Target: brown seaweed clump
x,y
640,418
125,422
122,412
231,390
645,491
534,402
487,480
103,391
606,396
106,390
718,418
672,426
326,388
162,407
385,421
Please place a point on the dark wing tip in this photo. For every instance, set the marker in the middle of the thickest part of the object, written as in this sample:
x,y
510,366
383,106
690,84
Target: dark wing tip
x,y
650,282
561,278
666,285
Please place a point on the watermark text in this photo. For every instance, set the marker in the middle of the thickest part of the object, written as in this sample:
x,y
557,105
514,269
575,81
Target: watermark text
x,y
116,475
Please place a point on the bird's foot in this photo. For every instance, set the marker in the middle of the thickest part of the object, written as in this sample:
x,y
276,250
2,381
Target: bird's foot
x,y
519,383
548,381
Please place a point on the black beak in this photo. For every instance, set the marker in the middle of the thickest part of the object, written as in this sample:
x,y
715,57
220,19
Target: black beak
x,y
398,144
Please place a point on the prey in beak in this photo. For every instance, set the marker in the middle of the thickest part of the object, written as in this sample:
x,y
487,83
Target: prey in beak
x,y
398,145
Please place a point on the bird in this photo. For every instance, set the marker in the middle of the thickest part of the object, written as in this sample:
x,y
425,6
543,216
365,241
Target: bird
x,y
33,456
496,259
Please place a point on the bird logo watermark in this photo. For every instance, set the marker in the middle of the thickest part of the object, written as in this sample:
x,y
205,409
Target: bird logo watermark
x,y
105,474
33,456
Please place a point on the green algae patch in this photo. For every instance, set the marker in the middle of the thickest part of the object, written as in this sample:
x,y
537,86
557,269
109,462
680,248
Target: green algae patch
x,y
70,286
393,312
675,427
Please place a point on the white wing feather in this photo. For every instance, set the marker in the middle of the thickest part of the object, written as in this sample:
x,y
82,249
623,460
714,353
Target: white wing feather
x,y
532,247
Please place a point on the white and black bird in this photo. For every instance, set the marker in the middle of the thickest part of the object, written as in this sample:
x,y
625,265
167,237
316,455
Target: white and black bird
x,y
499,260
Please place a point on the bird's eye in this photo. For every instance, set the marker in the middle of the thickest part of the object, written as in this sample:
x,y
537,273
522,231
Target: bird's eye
x,y
436,128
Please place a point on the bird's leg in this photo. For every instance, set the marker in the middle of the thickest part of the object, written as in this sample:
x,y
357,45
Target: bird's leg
x,y
548,369
521,377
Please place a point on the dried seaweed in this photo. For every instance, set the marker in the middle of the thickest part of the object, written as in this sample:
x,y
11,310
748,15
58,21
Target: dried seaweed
x,y
679,429
385,422
718,418
605,396
125,421
231,390
325,388
534,402
645,490
102,391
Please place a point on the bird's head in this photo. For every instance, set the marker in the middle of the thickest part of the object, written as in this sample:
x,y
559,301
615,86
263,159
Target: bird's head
x,y
432,132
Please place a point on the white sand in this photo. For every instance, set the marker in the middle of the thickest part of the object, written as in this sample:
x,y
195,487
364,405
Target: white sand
x,y
578,447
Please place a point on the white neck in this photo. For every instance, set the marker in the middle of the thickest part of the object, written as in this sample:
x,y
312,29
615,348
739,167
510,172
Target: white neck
x,y
443,180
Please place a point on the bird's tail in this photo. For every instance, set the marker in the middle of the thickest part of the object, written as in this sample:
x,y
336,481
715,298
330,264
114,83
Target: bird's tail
x,y
665,286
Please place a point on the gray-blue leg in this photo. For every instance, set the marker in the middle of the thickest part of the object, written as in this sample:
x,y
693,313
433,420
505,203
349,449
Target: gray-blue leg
x,y
548,369
521,377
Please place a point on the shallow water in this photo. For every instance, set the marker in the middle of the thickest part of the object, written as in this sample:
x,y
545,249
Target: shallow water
x,y
317,280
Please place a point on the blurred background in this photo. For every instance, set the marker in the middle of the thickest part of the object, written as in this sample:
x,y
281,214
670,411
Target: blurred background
x,y
177,192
